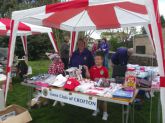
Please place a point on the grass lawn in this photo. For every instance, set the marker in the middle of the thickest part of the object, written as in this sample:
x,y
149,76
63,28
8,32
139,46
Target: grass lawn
x,y
73,114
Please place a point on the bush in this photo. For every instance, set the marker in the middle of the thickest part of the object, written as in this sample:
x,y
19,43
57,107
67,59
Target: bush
x,y
37,46
115,43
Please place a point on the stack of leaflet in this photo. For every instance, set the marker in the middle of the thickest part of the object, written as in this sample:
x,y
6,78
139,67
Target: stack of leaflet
x,y
113,87
123,94
102,91
145,75
50,79
84,87
99,91
38,78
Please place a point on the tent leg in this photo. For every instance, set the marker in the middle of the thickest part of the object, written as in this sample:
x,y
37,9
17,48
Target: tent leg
x,y
159,110
24,42
75,40
162,96
156,31
11,49
53,41
72,43
125,113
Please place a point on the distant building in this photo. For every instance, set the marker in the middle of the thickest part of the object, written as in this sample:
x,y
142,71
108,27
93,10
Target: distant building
x,y
142,44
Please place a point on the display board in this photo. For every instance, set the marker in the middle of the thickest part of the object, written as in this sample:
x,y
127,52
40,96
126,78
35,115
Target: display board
x,y
80,100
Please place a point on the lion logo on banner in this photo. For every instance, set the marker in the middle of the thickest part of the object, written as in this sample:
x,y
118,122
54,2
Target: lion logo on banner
x,y
45,92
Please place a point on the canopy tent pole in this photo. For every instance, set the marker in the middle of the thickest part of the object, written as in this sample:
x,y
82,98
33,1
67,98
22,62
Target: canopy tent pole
x,y
156,29
149,33
162,79
72,43
162,92
53,41
11,49
24,42
76,39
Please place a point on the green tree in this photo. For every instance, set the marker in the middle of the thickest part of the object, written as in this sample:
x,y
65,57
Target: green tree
x,y
124,36
5,7
114,43
162,21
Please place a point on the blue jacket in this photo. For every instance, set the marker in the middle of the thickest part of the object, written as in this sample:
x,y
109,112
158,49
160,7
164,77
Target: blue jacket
x,y
120,57
84,58
104,46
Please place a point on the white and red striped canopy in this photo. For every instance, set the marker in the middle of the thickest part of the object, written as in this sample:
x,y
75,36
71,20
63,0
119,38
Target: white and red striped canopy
x,y
82,15
24,29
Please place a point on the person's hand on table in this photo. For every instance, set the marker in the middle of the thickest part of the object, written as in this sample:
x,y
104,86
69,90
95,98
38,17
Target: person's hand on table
x,y
85,67
87,71
104,49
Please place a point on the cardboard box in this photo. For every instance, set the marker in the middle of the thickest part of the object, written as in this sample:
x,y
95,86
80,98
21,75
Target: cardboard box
x,y
15,114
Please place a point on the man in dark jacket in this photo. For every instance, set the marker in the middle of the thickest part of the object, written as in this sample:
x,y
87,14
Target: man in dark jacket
x,y
119,61
121,56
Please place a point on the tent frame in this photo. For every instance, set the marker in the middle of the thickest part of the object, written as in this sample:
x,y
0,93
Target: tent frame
x,y
24,35
153,25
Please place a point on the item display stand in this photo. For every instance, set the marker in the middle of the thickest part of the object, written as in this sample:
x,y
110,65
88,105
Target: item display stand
x,y
53,88
127,104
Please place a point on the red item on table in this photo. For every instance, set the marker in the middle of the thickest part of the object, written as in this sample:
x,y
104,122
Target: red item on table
x,y
71,84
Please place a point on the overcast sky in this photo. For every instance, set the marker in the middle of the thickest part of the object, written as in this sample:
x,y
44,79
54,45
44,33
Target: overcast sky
x,y
162,7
